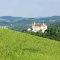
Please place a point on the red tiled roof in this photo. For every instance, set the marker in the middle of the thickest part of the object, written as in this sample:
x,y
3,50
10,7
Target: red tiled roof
x,y
38,24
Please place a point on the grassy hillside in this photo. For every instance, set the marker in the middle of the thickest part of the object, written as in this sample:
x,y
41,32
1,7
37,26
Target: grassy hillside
x,y
21,46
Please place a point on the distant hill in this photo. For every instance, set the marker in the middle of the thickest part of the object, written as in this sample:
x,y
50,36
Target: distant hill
x,y
16,22
55,24
27,20
17,45
51,18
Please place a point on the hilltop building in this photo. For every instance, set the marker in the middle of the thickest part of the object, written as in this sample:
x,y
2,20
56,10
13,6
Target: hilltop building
x,y
36,27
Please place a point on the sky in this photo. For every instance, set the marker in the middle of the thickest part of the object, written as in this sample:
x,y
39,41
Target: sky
x,y
30,8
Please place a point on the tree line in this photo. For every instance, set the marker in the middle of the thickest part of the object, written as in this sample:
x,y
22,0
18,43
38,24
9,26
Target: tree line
x,y
51,33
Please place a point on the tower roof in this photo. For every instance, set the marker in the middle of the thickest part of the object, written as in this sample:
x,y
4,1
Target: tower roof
x,y
38,24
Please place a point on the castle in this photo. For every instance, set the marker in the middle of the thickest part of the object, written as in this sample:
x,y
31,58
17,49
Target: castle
x,y
36,27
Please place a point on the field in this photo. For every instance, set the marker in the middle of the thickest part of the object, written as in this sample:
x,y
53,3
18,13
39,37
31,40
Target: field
x,y
22,46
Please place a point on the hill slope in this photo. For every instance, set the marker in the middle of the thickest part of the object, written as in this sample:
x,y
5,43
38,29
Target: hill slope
x,y
21,46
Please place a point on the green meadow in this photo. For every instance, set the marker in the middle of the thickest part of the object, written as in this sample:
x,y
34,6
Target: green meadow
x,y
22,46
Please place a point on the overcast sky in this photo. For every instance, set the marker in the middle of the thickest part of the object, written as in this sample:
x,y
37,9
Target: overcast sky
x,y
29,8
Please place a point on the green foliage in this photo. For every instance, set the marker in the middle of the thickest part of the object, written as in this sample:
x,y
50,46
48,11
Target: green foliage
x,y
22,46
51,33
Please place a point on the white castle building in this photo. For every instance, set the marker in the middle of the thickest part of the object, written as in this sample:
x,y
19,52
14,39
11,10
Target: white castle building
x,y
36,27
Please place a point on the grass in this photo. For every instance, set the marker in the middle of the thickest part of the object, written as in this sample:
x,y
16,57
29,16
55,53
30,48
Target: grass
x,y
22,46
